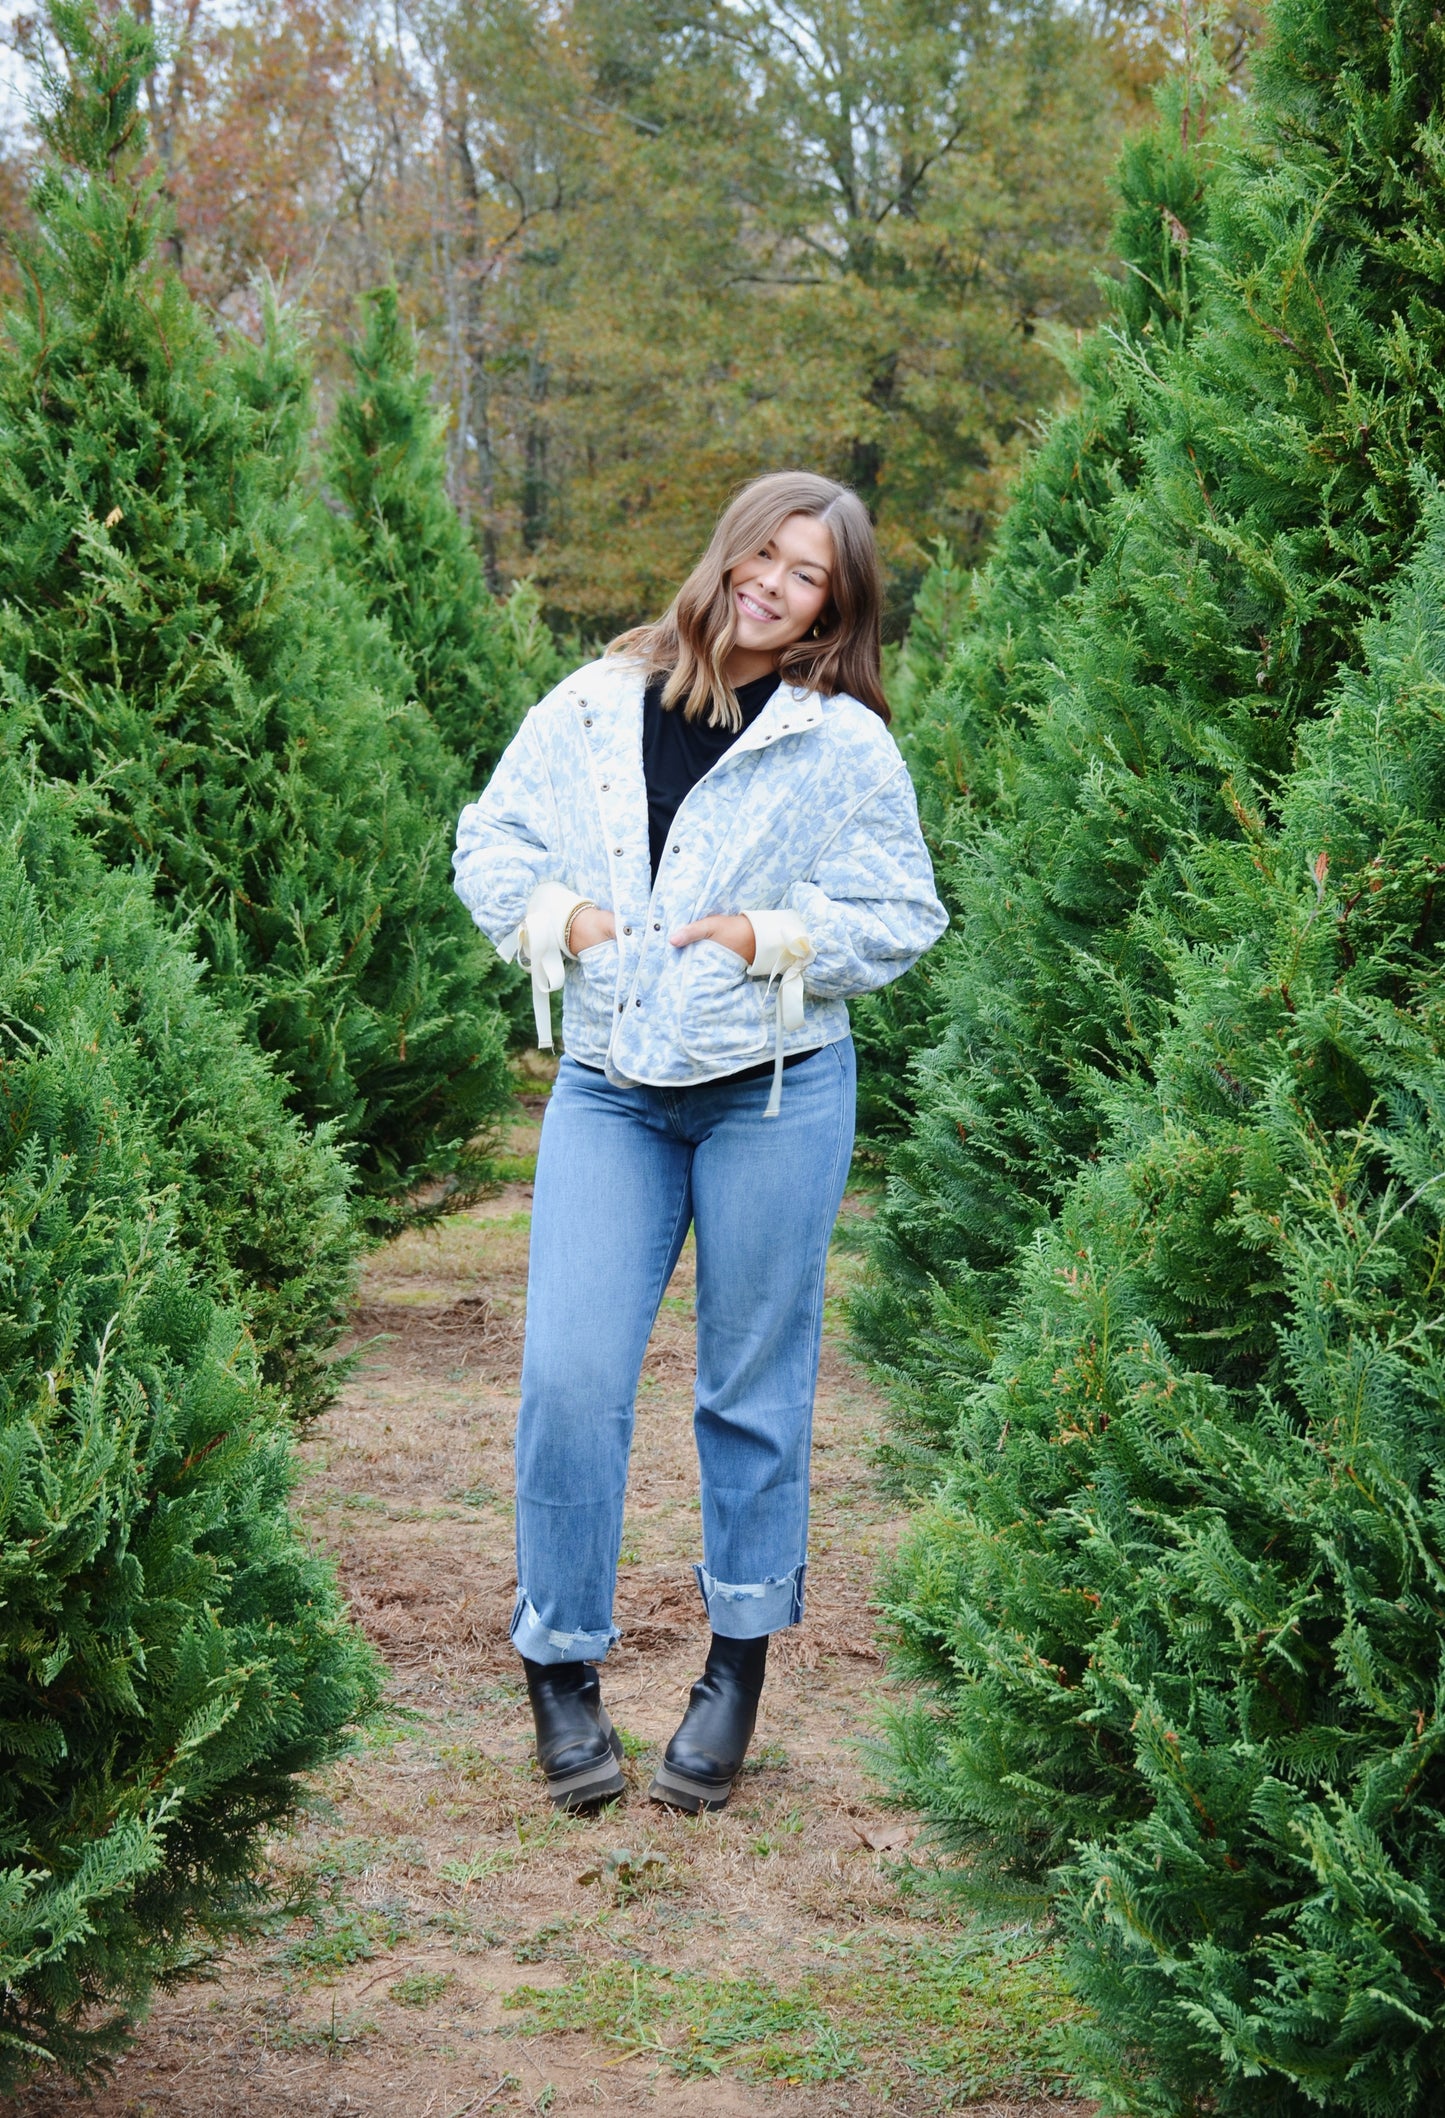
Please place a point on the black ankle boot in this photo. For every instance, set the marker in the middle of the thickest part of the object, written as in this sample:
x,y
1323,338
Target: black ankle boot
x,y
577,1747
706,1755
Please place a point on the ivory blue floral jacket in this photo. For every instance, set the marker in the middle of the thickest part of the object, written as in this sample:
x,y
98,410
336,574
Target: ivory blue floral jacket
x,y
810,813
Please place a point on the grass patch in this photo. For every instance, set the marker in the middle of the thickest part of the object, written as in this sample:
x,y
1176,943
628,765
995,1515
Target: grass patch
x,y
420,1988
331,2037
552,1942
348,1857
766,1757
532,1836
340,1937
985,2015
475,1496
628,1875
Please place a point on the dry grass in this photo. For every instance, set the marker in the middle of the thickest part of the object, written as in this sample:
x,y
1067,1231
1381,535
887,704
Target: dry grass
x,y
441,1882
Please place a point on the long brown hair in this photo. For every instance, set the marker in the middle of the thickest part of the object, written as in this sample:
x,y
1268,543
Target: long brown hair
x,y
694,636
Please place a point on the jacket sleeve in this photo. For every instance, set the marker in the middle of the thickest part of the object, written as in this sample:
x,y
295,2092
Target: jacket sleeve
x,y
507,839
869,906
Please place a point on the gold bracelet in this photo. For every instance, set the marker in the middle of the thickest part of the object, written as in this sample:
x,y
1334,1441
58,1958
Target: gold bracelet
x,y
585,904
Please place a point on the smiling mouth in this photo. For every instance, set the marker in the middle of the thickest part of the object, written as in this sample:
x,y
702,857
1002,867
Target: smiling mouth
x,y
753,609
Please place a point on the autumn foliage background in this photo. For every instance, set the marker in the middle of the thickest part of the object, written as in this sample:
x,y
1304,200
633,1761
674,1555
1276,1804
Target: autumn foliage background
x,y
652,250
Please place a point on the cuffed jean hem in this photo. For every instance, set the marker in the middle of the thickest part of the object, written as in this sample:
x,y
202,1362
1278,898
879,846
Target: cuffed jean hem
x,y
541,1643
745,1610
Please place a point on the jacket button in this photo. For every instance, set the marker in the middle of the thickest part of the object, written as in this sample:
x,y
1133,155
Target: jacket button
x,y
604,786
586,720
617,850
657,926
637,1003
627,930
621,1005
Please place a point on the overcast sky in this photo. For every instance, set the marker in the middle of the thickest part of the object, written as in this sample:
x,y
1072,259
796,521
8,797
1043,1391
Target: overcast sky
x,y
12,106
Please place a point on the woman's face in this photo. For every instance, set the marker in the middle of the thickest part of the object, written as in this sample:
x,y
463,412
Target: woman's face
x,y
780,591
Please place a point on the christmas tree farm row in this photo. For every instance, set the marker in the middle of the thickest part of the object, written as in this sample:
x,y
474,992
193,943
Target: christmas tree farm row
x,y
243,1020
1162,1267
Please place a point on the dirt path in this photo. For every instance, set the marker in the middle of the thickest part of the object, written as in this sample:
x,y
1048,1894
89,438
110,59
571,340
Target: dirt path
x,y
463,1950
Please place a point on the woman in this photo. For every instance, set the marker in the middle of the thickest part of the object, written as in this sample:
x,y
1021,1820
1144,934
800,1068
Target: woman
x,y
708,839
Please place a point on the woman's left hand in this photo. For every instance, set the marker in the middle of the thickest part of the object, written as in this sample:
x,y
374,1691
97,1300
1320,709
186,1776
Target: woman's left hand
x,y
731,930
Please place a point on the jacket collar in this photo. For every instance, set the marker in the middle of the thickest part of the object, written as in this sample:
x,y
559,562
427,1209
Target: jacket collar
x,y
790,711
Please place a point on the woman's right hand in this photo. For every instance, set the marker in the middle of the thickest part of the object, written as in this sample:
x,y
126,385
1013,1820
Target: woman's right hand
x,y
589,927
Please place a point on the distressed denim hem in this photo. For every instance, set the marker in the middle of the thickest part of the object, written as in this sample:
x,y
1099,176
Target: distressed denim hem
x,y
541,1643
745,1610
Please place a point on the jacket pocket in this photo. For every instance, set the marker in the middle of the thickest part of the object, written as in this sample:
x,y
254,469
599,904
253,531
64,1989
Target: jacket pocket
x,y
598,964
722,1008
590,1003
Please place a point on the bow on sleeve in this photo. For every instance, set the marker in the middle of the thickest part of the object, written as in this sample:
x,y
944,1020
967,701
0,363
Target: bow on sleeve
x,y
780,957
537,945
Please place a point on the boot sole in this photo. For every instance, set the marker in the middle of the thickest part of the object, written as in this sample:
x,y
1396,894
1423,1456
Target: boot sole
x,y
589,1786
679,1790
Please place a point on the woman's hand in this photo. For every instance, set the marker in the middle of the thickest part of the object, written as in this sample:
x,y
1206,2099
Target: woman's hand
x,y
731,930
589,927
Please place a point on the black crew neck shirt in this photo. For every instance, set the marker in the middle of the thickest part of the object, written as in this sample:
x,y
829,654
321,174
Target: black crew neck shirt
x,y
677,752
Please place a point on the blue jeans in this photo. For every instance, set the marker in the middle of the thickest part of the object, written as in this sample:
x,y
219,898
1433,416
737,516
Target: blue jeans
x,y
620,1175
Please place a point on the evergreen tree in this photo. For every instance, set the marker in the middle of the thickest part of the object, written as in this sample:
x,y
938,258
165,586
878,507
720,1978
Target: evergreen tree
x,y
976,653
262,1207
1173,1300
476,665
1060,519
1181,1591
1276,493
892,1025
955,1206
172,1654
940,603
171,638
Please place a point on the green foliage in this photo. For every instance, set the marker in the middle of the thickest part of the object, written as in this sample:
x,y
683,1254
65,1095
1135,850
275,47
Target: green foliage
x,y
940,604
1183,1586
1169,1241
476,665
172,639
1270,495
172,1654
260,1204
890,1026
959,1198
340,1936
1060,520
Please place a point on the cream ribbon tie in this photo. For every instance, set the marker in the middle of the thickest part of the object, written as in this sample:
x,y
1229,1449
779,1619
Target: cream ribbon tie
x,y
537,945
782,954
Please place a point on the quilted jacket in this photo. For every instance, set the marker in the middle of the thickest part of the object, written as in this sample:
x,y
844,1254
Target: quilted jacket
x,y
808,824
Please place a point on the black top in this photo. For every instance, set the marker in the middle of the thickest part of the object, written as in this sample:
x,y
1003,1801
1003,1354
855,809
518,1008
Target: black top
x,y
677,752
